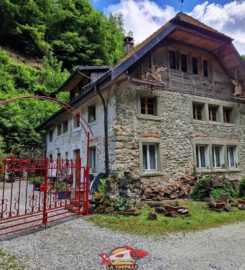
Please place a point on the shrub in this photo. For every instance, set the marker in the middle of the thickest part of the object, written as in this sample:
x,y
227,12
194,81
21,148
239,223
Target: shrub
x,y
242,187
102,188
216,188
202,188
122,203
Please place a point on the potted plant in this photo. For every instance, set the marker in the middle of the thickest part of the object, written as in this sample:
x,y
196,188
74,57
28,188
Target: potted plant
x,y
36,181
62,190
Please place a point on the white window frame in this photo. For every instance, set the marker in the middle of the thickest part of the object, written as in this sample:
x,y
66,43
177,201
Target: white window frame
x,y
235,156
221,157
50,135
206,157
90,120
59,129
148,169
93,159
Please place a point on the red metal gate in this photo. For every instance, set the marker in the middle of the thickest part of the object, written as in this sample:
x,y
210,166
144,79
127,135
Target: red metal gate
x,y
35,192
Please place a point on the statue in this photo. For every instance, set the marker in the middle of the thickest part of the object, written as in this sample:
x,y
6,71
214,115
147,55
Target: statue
x,y
154,74
238,88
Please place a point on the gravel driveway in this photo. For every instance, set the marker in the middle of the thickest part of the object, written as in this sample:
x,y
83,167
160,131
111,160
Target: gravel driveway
x,y
75,245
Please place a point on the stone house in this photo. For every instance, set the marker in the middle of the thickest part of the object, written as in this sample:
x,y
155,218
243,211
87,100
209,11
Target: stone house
x,y
173,105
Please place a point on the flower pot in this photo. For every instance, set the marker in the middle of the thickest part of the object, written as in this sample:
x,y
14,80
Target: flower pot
x,y
36,187
241,201
64,195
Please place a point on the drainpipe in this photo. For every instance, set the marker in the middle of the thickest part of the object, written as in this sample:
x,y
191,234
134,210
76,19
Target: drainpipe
x,y
105,130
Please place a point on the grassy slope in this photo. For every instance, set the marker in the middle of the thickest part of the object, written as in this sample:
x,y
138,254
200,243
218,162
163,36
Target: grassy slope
x,y
9,262
201,218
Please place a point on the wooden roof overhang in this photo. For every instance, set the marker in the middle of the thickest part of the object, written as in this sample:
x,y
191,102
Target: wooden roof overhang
x,y
219,45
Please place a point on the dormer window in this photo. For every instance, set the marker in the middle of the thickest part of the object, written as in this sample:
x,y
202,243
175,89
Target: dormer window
x,y
183,62
194,65
172,59
205,68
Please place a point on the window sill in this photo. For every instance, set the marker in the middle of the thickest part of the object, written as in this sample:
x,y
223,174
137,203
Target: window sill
x,y
149,117
229,170
204,122
76,129
93,123
151,173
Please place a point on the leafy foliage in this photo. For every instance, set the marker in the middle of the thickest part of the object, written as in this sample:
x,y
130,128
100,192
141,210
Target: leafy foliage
x,y
102,188
73,30
19,119
122,203
209,187
242,188
202,188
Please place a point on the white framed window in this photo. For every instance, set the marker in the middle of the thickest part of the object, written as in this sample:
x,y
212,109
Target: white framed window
x,y
202,157
198,111
150,156
227,115
148,105
92,158
59,129
232,155
65,126
218,156
91,113
50,135
213,112
76,121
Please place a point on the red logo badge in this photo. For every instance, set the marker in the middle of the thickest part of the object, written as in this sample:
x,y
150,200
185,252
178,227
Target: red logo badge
x,y
123,258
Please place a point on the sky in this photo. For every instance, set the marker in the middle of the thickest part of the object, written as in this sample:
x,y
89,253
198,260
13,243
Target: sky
x,y
143,17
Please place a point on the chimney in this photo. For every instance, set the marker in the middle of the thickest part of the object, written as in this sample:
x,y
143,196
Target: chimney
x,y
128,44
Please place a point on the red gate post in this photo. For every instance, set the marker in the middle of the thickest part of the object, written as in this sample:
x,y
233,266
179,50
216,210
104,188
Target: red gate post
x,y
86,181
45,214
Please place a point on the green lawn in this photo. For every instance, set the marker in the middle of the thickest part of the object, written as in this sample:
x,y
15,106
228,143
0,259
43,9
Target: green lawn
x,y
201,218
9,262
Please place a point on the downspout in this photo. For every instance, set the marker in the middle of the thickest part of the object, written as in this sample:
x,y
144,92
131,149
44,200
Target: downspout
x,y
105,130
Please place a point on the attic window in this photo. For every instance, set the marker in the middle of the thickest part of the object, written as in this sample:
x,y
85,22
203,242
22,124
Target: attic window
x,y
183,62
205,68
194,65
172,59
148,105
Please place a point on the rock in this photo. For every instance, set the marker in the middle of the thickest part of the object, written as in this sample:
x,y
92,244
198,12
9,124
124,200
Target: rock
x,y
228,208
183,211
152,216
160,210
174,196
171,214
241,206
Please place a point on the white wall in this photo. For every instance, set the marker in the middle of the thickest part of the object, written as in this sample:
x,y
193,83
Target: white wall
x,y
76,138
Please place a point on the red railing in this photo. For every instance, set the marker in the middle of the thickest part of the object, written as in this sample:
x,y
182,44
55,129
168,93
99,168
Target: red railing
x,y
35,192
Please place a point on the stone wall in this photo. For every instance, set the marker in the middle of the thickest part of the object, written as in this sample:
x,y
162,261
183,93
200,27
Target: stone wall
x,y
175,131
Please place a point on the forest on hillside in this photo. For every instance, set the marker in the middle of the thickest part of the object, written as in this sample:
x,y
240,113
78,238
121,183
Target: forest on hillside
x,y
59,35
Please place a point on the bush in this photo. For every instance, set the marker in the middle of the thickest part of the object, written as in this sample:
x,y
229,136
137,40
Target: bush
x,y
216,188
242,187
102,188
122,203
202,188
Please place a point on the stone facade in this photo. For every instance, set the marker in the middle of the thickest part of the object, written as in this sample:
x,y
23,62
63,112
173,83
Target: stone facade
x,y
171,132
